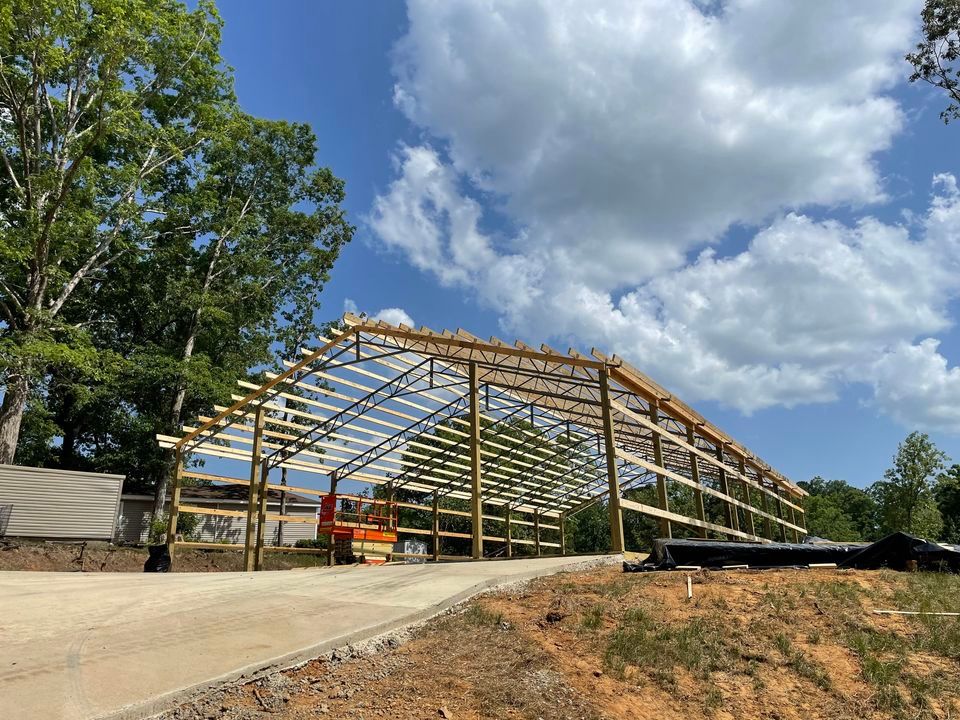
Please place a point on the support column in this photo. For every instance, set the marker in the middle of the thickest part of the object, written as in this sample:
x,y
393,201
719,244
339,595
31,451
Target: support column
x,y
665,528
793,519
330,543
730,512
174,512
742,466
536,531
563,536
435,527
509,534
249,554
767,523
261,517
695,476
783,529
476,505
613,482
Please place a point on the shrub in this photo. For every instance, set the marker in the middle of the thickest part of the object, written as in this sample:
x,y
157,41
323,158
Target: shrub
x,y
318,542
187,524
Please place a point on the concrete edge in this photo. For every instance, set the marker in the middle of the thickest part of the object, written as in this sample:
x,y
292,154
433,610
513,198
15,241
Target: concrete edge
x,y
157,705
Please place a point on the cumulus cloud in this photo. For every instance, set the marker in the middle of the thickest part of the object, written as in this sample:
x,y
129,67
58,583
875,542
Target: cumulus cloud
x,y
615,142
395,316
621,135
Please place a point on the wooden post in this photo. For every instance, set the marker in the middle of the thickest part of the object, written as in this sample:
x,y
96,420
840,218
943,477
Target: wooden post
x,y
261,518
793,519
613,482
563,536
435,527
476,506
509,534
767,523
665,529
695,476
733,521
330,543
536,531
174,512
249,554
783,529
742,467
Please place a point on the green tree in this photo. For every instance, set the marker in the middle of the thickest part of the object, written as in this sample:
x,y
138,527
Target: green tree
x,y
905,495
947,494
934,60
97,99
838,511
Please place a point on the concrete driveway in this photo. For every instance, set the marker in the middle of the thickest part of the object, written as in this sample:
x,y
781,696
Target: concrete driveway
x,y
119,645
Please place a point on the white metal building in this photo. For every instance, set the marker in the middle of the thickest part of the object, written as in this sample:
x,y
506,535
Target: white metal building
x,y
52,503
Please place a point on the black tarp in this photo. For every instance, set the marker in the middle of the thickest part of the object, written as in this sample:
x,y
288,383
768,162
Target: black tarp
x,y
894,551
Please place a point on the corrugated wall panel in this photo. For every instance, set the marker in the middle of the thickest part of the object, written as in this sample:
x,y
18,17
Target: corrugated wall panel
x,y
53,503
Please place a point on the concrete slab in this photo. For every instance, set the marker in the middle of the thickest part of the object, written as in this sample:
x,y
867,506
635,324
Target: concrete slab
x,y
117,645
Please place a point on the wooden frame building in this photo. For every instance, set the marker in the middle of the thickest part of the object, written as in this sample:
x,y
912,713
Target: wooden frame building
x,y
530,437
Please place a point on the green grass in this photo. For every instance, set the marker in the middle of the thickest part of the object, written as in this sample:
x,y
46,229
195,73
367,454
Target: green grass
x,y
592,618
479,615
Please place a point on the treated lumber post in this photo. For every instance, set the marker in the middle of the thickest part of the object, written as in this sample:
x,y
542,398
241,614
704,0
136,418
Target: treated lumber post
x,y
476,506
249,537
435,527
695,476
261,517
767,523
509,534
665,529
783,529
330,543
536,531
733,521
563,536
742,467
174,512
613,483
793,519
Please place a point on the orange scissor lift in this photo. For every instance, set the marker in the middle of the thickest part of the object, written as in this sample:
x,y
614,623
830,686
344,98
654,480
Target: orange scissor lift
x,y
361,529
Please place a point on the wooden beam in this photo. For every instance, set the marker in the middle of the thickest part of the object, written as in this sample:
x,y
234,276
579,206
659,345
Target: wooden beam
x,y
683,520
435,527
746,492
662,497
536,531
174,510
614,502
261,517
249,551
697,491
476,506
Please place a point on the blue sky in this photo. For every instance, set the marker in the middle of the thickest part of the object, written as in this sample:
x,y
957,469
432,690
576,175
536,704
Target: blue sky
x,y
427,112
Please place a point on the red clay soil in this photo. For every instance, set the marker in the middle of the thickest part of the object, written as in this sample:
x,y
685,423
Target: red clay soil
x,y
792,644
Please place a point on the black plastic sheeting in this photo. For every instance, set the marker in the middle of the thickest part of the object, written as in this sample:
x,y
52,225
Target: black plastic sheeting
x,y
894,551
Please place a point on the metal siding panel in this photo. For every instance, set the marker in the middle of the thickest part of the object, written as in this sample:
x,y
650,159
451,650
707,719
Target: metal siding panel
x,y
59,503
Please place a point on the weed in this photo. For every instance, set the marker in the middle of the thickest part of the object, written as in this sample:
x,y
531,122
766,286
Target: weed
x,y
593,618
479,615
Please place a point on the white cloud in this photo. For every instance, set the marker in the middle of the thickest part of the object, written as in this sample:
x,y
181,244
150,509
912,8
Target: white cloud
x,y
619,140
621,136
395,316
914,385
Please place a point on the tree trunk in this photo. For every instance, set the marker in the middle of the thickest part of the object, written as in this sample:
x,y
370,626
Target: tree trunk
x,y
11,415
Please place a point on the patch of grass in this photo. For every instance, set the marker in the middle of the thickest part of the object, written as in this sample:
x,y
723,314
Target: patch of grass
x,y
479,615
592,619
698,645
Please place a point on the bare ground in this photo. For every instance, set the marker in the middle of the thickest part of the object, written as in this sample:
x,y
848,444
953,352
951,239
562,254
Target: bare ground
x,y
785,644
59,556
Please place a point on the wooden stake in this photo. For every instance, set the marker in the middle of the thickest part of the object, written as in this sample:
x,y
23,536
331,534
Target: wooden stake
x,y
249,554
476,505
613,482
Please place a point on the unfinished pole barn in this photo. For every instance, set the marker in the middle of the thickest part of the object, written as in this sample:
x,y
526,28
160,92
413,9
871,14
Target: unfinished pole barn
x,y
524,438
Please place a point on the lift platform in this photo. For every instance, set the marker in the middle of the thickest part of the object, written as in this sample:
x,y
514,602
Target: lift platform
x,y
361,529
